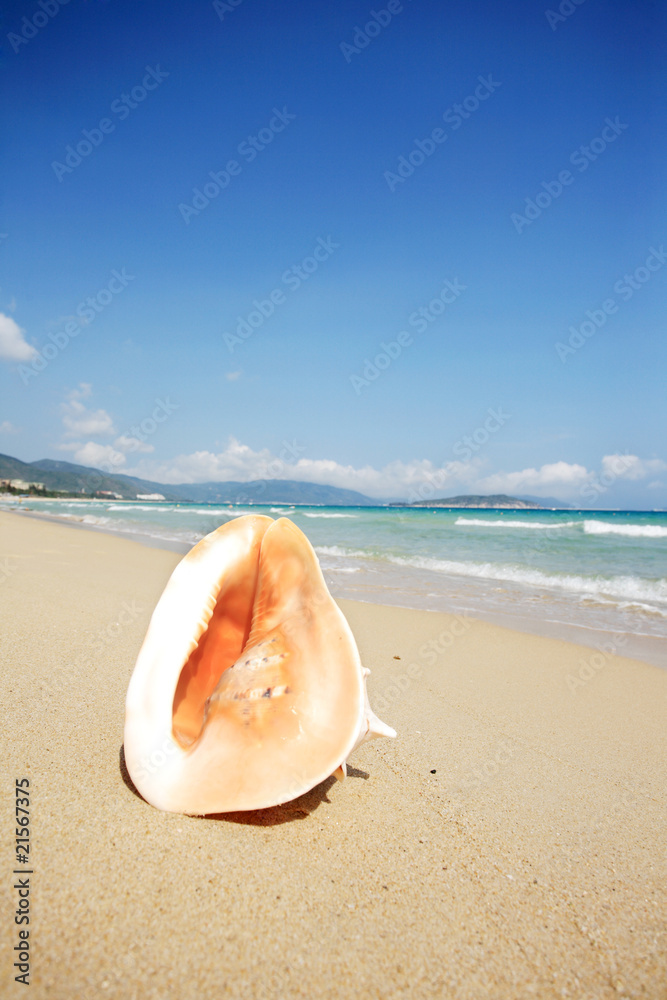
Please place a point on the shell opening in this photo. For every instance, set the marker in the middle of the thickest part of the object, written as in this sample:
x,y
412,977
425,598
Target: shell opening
x,y
218,648
252,666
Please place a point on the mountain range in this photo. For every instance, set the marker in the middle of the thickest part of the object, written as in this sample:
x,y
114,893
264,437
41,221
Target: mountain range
x,y
85,481
498,500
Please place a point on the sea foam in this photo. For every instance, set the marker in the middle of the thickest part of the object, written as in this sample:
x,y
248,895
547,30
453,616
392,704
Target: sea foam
x,y
306,514
630,530
480,522
622,587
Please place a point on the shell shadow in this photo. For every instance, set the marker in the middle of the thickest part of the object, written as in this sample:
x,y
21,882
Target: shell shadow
x,y
354,772
289,812
125,774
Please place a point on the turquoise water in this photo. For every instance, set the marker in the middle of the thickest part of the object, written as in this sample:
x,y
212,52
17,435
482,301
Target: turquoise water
x,y
600,570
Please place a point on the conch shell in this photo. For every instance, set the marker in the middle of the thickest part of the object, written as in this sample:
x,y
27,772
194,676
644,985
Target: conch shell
x,y
248,690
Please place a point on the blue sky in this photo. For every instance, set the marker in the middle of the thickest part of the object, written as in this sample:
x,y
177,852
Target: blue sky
x,y
319,121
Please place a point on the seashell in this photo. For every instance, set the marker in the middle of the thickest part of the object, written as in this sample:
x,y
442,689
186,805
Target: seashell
x,y
248,690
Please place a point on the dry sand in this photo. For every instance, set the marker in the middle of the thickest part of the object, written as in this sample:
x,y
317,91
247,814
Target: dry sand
x,y
530,864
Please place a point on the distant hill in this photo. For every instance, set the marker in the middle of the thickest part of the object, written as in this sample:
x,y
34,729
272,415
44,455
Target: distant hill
x,y
499,500
266,491
79,479
84,480
548,502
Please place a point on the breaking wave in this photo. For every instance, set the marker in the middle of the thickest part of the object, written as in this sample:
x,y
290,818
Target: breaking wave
x,y
86,518
630,530
135,506
336,550
306,514
480,522
630,588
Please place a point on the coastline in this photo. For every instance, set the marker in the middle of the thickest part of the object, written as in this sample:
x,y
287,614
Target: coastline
x,y
506,844
365,589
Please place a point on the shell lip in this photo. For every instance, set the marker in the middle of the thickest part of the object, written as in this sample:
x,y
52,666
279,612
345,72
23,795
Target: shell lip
x,y
163,793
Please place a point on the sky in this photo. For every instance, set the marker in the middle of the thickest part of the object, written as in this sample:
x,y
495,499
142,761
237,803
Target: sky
x,y
413,249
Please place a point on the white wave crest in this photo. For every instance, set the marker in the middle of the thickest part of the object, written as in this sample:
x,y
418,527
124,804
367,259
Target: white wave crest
x,y
136,506
336,550
512,524
622,587
86,518
306,514
204,511
630,530
233,513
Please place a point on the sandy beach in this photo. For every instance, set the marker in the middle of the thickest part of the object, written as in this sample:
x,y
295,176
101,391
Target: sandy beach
x,y
508,844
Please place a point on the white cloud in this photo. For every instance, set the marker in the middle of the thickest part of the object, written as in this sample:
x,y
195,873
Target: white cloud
x,y
419,478
563,477
631,466
130,444
233,376
110,458
393,480
13,346
7,427
79,421
238,462
414,479
101,456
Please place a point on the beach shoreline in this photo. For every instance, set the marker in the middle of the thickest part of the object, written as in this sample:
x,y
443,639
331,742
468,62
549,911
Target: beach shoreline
x,y
505,844
648,648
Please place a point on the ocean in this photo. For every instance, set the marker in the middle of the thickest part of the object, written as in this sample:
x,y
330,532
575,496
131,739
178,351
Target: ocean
x,y
579,575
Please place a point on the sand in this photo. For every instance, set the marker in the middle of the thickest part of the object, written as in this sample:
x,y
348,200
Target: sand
x,y
508,844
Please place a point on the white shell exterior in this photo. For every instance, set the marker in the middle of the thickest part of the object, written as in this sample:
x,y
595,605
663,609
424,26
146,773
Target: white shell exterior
x,y
211,775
